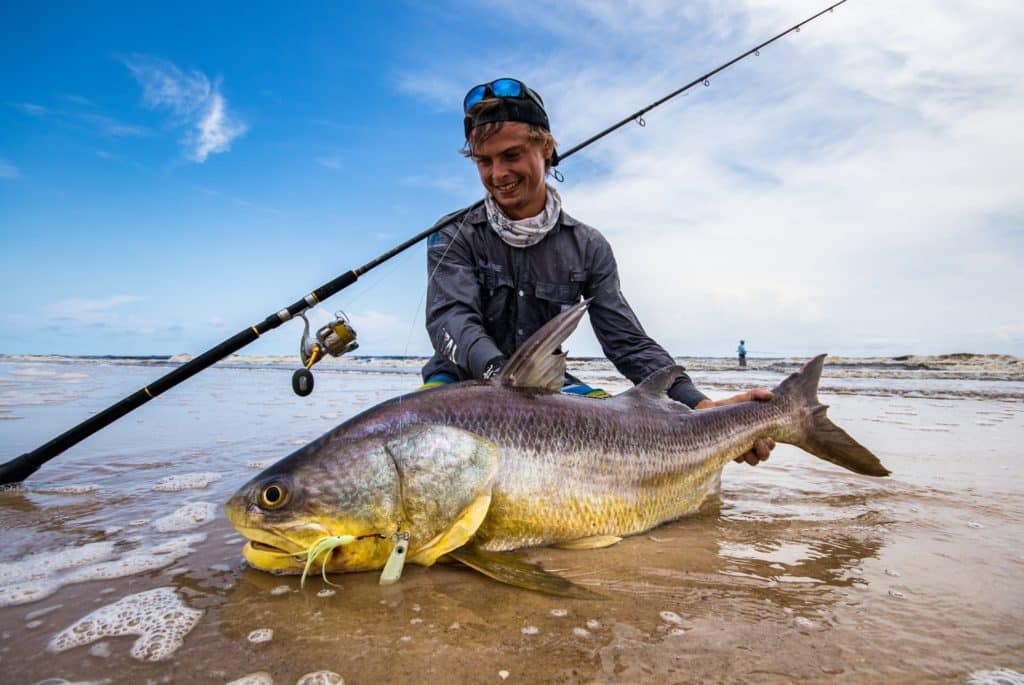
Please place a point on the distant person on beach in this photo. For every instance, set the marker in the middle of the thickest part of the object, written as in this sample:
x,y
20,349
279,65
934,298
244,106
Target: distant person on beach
x,y
501,271
741,351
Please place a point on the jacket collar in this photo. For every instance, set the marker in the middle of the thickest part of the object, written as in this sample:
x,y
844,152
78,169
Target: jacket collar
x,y
478,215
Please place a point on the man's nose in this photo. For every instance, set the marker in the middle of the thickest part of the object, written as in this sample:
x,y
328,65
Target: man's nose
x,y
498,169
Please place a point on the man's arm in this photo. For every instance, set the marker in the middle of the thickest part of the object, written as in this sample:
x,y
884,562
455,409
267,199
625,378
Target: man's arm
x,y
636,355
453,310
622,338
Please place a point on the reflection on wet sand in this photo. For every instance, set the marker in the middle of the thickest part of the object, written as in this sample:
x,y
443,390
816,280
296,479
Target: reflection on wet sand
x,y
658,586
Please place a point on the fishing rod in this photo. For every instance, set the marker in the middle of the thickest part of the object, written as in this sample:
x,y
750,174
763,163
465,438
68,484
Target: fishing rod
x,y
337,337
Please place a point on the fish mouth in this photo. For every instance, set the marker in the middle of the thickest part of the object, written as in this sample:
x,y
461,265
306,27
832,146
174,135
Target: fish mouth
x,y
272,559
272,552
276,553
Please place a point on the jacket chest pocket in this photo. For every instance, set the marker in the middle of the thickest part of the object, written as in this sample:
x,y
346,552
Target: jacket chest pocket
x,y
496,298
562,293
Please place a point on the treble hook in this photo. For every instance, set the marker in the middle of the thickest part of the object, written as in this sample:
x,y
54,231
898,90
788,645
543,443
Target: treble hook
x,y
640,122
557,175
707,83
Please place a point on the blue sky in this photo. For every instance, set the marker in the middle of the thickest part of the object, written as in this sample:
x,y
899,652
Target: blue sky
x,y
171,173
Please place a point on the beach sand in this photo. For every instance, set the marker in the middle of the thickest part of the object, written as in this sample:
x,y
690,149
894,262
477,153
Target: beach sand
x,y
805,573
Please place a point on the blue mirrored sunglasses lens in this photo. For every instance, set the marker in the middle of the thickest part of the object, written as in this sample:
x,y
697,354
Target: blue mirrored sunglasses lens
x,y
507,88
474,96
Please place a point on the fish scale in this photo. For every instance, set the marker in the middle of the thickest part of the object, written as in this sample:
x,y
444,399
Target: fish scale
x,y
646,460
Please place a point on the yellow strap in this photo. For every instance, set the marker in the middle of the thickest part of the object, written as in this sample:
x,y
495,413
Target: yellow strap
x,y
146,390
431,384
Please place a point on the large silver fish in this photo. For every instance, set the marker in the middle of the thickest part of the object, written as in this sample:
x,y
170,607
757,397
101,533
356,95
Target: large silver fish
x,y
479,467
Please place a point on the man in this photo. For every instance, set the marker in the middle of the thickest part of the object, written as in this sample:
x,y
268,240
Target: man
x,y
741,353
502,270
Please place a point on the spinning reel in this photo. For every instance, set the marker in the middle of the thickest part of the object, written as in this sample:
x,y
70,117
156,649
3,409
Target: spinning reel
x,y
336,338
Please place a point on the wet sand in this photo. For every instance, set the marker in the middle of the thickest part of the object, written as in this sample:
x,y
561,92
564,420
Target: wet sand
x,y
804,573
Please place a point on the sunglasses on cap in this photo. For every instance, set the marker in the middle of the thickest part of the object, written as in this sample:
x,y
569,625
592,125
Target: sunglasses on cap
x,y
502,88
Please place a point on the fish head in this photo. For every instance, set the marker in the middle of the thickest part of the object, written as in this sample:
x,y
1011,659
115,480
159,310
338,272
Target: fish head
x,y
430,482
323,489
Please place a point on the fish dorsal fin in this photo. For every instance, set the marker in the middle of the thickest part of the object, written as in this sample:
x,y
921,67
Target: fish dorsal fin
x,y
535,364
655,386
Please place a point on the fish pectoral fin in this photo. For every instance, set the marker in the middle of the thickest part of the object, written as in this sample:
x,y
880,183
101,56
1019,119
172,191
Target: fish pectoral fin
x,y
508,569
457,535
593,542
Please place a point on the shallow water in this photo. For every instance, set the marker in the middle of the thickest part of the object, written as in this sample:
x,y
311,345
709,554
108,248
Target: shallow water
x,y
805,573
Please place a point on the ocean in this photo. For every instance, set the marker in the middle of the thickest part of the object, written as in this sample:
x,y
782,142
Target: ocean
x,y
117,563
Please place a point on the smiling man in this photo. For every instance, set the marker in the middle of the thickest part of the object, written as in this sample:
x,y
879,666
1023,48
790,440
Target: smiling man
x,y
504,269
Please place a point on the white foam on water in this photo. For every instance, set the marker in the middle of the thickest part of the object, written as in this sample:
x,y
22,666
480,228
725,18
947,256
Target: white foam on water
x,y
261,635
581,632
530,630
805,623
281,590
321,678
43,564
257,678
158,617
672,617
39,613
559,613
67,489
187,517
326,592
258,465
503,674
39,575
999,676
100,649
186,481
593,624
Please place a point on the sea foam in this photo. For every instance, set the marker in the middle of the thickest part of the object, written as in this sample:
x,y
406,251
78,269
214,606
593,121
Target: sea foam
x,y
40,575
186,481
189,516
158,617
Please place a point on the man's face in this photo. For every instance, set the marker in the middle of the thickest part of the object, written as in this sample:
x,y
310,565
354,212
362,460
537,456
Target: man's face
x,y
511,167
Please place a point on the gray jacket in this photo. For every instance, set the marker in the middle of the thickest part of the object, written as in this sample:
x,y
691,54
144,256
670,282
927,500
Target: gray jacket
x,y
485,298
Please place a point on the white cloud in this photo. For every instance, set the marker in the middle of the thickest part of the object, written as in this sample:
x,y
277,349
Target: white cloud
x,y
83,308
195,102
110,315
857,182
30,108
331,163
8,170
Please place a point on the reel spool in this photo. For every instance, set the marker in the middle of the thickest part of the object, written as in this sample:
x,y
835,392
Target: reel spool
x,y
336,338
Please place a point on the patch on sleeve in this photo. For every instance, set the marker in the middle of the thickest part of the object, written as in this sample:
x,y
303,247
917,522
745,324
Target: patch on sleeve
x,y
438,239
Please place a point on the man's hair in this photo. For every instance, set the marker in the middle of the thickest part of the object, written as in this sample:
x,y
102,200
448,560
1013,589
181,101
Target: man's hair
x,y
478,135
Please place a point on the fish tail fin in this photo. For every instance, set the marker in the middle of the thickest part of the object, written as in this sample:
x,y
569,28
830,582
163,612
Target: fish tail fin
x,y
816,433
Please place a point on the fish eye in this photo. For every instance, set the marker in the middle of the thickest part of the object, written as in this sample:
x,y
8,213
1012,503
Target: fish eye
x,y
272,496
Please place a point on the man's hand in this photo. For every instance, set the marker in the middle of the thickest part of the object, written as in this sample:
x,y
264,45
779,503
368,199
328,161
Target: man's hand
x,y
763,447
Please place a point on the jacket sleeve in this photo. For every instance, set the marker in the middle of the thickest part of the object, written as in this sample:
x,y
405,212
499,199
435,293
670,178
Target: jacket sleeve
x,y
622,338
453,313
